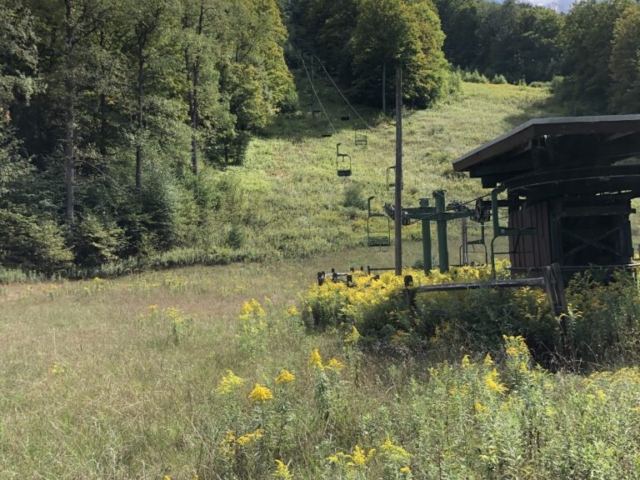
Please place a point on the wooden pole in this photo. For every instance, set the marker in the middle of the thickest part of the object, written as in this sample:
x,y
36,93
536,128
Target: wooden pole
x,y
398,196
384,88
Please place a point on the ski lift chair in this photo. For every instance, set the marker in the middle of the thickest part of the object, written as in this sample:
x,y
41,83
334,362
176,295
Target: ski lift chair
x,y
378,228
343,163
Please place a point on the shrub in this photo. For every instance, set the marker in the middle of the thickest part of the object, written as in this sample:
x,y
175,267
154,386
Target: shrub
x,y
499,80
540,84
474,77
354,197
32,243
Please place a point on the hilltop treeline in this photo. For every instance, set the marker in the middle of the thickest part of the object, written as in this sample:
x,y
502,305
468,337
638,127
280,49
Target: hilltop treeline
x,y
362,41
109,109
592,51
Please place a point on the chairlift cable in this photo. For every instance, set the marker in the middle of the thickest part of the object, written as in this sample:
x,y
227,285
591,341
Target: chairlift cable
x,y
341,94
313,89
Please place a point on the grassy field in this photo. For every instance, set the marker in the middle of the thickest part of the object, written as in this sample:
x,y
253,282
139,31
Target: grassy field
x,y
120,379
180,374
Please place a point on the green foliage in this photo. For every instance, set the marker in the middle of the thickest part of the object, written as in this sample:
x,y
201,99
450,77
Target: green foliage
x,y
398,33
32,243
625,55
474,77
96,242
354,196
499,80
603,321
588,42
516,40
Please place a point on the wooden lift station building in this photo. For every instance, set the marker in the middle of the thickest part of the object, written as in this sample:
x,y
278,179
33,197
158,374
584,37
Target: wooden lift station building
x,y
568,184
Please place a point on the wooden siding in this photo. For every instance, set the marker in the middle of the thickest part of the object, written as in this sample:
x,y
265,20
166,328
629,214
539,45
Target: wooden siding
x,y
530,251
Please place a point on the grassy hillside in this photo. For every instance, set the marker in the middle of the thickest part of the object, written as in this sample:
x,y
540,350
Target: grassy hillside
x,y
294,203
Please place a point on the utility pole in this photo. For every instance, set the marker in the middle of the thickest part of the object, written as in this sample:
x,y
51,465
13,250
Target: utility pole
x,y
398,196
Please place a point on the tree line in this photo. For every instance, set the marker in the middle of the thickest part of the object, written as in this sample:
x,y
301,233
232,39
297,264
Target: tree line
x,y
592,52
115,113
110,108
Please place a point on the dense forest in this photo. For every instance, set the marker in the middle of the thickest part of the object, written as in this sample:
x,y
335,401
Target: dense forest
x,y
115,114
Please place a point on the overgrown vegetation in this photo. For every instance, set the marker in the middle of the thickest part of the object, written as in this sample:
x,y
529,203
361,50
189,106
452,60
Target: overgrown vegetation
x,y
145,377
602,324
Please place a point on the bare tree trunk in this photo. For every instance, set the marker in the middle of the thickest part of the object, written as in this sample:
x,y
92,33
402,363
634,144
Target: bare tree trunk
x,y
69,150
195,120
139,158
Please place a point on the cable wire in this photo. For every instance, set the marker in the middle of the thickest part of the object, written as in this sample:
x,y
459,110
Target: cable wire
x,y
341,94
313,89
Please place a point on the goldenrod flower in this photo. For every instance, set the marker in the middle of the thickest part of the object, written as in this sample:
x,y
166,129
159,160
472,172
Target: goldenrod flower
x,y
285,377
293,311
282,471
405,470
492,380
465,361
250,437
396,452
352,337
260,394
316,359
480,407
229,382
488,360
335,364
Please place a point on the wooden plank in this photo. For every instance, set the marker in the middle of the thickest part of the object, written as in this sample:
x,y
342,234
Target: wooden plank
x,y
514,283
594,210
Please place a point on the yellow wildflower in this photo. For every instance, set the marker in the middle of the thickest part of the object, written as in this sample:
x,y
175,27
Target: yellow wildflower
x,y
352,337
285,377
250,437
465,361
359,458
251,309
57,369
166,477
335,364
492,380
405,470
396,452
282,470
229,382
195,476
293,311
153,308
260,394
488,360
480,407
316,359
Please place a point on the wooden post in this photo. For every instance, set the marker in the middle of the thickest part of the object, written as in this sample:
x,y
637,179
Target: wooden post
x,y
398,186
426,239
465,246
443,247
